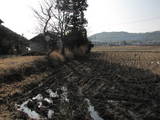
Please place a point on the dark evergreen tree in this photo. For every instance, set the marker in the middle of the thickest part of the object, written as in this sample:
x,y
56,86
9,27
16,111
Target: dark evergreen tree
x,y
76,8
77,19
76,32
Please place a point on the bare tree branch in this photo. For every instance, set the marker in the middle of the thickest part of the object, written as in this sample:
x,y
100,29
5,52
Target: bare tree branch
x,y
51,17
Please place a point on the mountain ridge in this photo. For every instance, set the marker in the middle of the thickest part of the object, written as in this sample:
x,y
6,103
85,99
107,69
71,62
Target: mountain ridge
x,y
128,38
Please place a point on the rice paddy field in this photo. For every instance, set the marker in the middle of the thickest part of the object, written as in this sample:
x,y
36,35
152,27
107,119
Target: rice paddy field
x,y
144,57
127,48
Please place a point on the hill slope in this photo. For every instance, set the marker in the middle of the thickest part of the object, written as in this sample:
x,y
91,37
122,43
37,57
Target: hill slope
x,y
129,38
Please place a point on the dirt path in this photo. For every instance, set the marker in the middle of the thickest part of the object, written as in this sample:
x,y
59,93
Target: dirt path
x,y
115,91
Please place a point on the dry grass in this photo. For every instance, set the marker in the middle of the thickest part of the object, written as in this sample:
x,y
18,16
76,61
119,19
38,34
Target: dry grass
x,y
16,63
56,56
126,48
144,57
19,87
81,51
68,53
143,60
17,75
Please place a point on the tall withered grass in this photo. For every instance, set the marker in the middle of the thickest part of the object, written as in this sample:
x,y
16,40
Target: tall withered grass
x,y
16,63
56,56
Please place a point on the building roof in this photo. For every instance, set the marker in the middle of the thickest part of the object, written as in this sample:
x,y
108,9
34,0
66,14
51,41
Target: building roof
x,y
1,21
37,38
41,37
6,32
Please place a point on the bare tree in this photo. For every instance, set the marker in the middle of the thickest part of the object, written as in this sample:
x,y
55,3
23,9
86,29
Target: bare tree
x,y
52,18
66,18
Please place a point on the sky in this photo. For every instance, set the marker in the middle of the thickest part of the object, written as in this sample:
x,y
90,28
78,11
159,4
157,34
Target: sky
x,y
102,15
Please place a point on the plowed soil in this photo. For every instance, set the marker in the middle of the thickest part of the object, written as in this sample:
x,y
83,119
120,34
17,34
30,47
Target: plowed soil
x,y
117,92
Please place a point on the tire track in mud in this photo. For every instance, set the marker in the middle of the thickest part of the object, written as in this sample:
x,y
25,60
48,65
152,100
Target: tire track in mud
x,y
115,88
93,83
63,77
97,81
143,89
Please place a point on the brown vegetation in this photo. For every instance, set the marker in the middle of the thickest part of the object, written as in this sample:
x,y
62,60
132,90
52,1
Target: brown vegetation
x,y
18,75
81,51
126,48
55,57
15,68
8,64
142,60
120,85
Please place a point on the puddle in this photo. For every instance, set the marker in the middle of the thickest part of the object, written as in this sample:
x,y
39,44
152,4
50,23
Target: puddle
x,y
52,94
93,113
43,108
31,114
64,94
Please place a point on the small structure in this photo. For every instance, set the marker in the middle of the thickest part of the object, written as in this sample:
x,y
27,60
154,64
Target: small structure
x,y
43,42
11,42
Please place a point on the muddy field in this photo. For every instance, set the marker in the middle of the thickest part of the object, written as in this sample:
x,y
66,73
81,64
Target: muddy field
x,y
104,86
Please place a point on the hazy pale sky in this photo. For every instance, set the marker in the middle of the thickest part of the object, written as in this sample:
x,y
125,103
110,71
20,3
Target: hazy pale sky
x,y
102,15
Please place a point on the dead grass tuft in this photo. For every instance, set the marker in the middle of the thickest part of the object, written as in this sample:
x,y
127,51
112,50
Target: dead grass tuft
x,y
81,51
68,53
56,56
